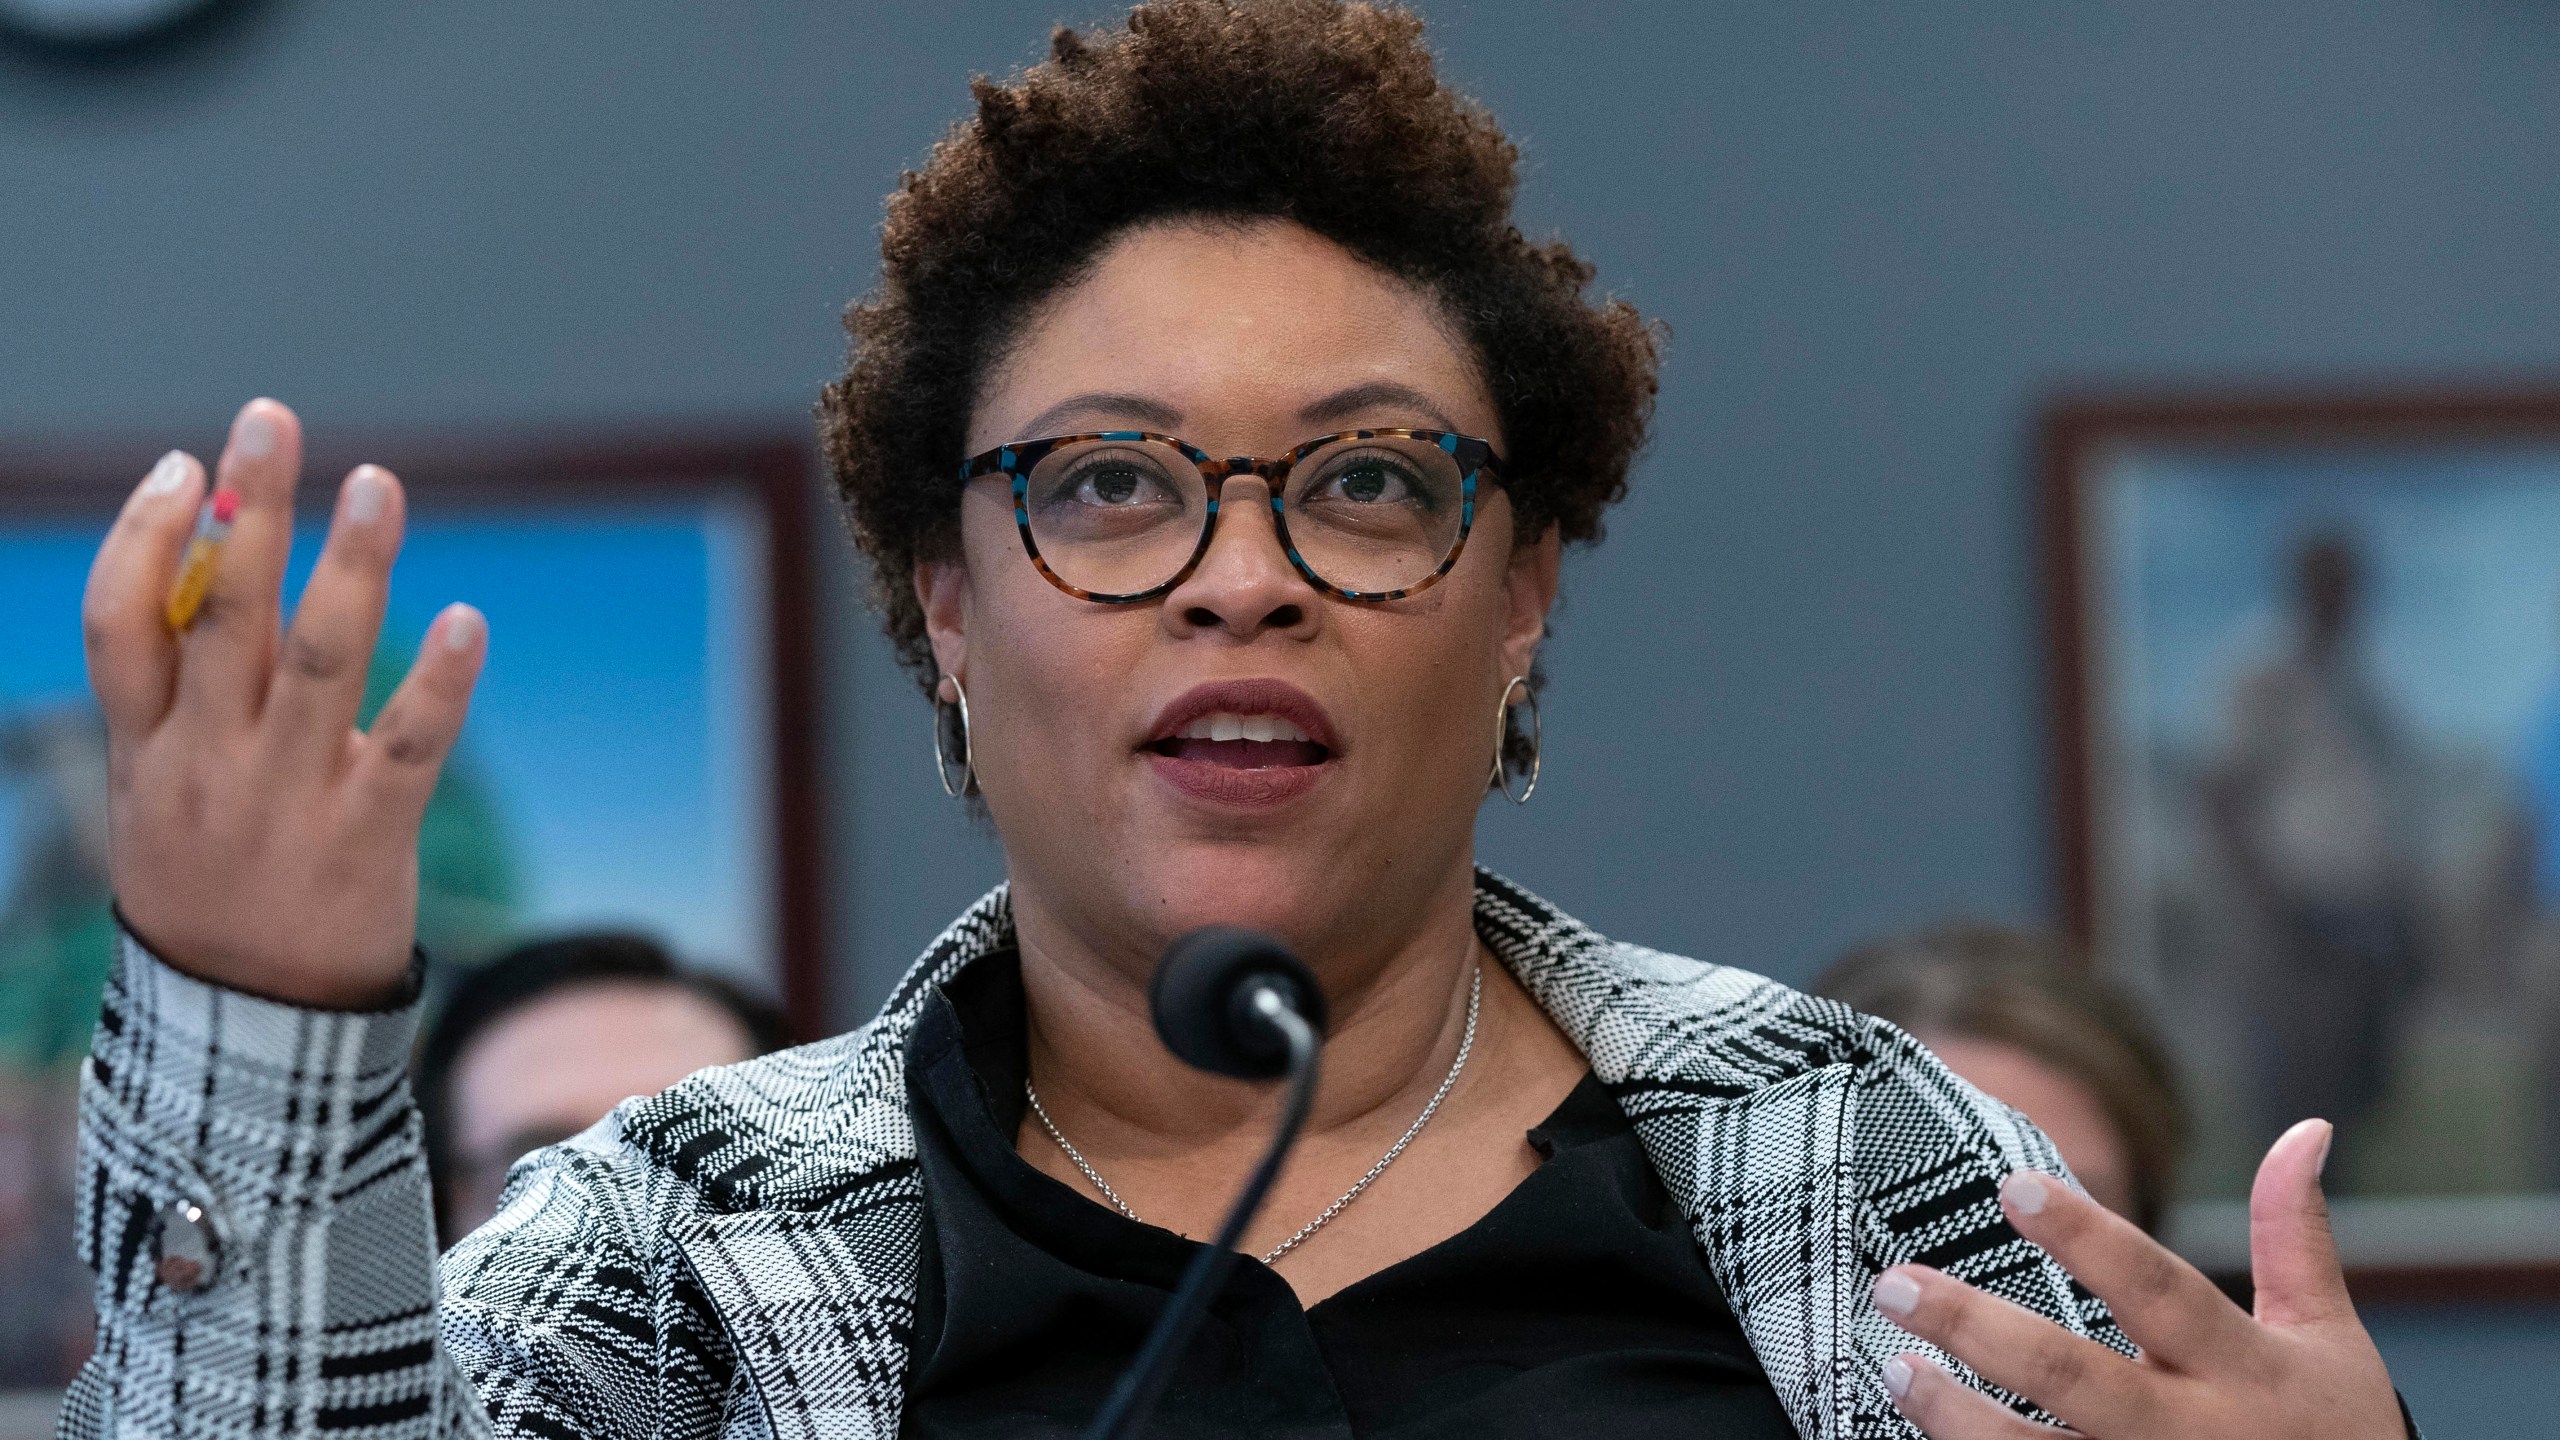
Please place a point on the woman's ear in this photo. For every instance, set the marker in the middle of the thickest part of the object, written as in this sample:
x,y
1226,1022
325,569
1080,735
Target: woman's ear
x,y
1530,588
942,588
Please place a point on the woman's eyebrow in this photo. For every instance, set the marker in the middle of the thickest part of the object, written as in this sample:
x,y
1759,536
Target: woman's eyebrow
x,y
1371,396
1154,414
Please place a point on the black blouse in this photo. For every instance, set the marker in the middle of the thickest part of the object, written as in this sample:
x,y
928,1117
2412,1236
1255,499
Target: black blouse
x,y
1580,1304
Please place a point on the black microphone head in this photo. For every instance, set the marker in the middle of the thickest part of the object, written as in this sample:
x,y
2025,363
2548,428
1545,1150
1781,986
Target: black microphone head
x,y
1202,994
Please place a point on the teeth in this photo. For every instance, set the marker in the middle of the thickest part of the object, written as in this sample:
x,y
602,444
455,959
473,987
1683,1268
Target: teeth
x,y
1225,726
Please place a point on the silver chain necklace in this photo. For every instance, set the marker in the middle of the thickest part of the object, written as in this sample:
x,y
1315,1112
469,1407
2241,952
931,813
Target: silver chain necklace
x,y
1466,1043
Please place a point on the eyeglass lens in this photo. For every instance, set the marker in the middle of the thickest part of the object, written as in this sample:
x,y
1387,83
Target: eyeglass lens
x,y
1123,516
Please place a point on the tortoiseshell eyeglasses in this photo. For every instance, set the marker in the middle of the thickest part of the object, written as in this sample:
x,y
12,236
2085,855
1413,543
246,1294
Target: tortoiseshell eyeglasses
x,y
1120,516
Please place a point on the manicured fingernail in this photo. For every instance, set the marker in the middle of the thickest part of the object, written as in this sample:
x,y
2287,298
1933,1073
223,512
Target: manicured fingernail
x,y
368,495
1897,1293
256,435
2025,1191
1897,1377
460,627
167,476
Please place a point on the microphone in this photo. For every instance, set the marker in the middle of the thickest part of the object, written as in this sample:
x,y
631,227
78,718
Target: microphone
x,y
1231,1002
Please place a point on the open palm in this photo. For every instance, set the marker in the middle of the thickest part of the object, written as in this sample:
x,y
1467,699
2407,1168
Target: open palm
x,y
257,838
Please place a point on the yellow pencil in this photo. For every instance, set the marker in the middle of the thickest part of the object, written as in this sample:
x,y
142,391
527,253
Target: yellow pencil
x,y
204,552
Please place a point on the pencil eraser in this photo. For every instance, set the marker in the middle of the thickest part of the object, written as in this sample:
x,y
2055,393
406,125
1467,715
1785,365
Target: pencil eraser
x,y
226,503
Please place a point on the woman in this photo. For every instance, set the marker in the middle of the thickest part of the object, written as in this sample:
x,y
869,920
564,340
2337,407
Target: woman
x,y
1550,1182
2017,1014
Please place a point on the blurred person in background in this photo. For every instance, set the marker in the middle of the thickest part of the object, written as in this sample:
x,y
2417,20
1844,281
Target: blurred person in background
x,y
2016,1013
540,1042
2310,801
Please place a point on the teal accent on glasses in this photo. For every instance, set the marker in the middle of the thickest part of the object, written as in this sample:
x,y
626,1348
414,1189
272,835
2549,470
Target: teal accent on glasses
x,y
1017,460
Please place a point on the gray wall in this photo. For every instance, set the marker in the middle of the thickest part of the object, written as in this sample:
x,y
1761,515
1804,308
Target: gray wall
x,y
1797,693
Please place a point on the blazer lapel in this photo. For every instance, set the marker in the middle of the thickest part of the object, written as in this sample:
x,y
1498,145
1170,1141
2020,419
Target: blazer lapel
x,y
820,1309
1763,1180
1747,1117
808,1247
810,1207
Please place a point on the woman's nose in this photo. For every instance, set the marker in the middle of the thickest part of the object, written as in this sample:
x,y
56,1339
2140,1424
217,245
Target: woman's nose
x,y
1245,584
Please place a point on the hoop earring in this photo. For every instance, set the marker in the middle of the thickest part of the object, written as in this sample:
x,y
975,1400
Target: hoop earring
x,y
968,758
1502,741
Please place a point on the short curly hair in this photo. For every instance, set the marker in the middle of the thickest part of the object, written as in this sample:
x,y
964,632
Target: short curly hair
x,y
1304,110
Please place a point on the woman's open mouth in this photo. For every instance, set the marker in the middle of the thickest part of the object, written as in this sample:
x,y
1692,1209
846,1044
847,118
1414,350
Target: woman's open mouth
x,y
1242,742
1247,742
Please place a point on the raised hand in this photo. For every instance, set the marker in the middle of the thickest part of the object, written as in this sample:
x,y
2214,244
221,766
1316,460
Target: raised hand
x,y
2302,1366
256,837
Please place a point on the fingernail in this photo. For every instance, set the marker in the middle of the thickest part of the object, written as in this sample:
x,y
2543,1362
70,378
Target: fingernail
x,y
167,475
1897,1293
460,627
2024,1191
256,435
2328,1132
368,495
1897,1377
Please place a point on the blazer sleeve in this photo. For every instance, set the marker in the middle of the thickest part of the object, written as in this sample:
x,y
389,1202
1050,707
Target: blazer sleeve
x,y
1927,1162
1939,1204
254,1202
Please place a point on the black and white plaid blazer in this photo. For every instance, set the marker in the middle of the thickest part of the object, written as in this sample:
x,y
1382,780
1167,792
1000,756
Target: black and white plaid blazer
x,y
736,1256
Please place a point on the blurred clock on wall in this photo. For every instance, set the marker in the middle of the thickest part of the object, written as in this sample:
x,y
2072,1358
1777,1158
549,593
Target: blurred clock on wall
x,y
97,24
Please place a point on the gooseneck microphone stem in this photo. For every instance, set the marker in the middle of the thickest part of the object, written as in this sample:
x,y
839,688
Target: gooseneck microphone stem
x,y
1135,1395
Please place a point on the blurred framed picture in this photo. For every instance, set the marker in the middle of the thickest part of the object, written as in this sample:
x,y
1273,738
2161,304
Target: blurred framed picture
x,y
2307,723
641,752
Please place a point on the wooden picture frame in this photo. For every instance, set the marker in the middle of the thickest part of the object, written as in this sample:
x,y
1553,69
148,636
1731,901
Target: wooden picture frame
x,y
731,510
771,471
2319,536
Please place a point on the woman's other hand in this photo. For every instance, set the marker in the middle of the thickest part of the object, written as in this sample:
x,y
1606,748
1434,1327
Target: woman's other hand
x,y
2301,1366
257,838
